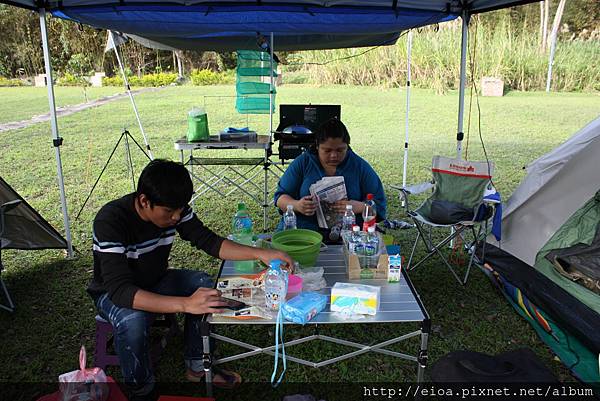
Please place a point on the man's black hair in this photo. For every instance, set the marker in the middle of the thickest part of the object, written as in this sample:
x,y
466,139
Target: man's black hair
x,y
332,128
165,183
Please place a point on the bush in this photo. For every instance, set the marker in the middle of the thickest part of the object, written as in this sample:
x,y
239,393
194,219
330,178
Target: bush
x,y
69,79
112,81
11,82
208,77
159,79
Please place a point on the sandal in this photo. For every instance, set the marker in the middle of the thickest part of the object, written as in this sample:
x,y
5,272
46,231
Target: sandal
x,y
221,378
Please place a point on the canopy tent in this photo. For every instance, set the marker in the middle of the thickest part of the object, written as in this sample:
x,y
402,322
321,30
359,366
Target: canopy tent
x,y
218,25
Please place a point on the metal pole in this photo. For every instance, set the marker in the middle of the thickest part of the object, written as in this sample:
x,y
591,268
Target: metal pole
x,y
408,54
463,78
271,103
56,139
126,83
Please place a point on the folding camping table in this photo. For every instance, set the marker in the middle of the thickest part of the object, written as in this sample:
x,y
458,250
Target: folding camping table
x,y
399,303
228,175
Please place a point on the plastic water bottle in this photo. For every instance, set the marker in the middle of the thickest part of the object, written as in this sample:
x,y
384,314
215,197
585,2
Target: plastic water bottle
x,y
276,282
371,248
369,213
242,223
242,234
354,239
289,218
348,220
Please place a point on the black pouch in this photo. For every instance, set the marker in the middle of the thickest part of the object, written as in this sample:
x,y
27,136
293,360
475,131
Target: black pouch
x,y
518,366
444,212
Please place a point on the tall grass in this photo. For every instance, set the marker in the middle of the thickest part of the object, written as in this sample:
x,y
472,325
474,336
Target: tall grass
x,y
505,51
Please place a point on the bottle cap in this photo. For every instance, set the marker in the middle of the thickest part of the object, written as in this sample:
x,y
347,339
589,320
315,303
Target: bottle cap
x,y
275,264
371,229
290,207
348,206
241,206
355,228
369,196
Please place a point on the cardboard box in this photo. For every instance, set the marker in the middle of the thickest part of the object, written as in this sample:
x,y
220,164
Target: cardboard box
x,y
355,272
491,86
355,298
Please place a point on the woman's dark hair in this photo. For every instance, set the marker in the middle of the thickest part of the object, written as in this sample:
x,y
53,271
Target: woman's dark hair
x,y
332,128
165,183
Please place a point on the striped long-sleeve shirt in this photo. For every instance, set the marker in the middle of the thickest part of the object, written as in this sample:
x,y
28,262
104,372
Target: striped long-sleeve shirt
x,y
132,254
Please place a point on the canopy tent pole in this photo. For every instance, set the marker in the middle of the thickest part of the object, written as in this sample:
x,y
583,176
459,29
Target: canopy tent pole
x,y
56,139
126,83
461,90
408,54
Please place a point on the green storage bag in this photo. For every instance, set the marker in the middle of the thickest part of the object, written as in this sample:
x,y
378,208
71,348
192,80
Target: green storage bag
x,y
197,125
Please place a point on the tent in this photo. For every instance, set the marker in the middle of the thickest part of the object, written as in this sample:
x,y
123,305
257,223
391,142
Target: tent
x,y
550,250
219,25
22,227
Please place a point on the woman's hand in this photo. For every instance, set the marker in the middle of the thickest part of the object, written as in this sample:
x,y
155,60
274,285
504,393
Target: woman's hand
x,y
340,206
306,205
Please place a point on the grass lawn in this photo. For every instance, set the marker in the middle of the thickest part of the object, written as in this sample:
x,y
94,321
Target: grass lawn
x,y
22,103
55,316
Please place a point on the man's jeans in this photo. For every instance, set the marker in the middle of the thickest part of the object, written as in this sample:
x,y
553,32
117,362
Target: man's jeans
x,y
131,329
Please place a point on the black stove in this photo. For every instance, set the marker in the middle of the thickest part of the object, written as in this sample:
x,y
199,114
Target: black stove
x,y
298,124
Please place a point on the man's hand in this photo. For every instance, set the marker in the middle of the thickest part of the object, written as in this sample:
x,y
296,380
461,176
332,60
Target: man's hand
x,y
204,300
306,205
267,255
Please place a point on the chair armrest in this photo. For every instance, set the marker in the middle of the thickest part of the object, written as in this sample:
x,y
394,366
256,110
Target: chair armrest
x,y
412,190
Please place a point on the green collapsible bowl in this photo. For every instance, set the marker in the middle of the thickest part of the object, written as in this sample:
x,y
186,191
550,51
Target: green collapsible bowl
x,y
302,245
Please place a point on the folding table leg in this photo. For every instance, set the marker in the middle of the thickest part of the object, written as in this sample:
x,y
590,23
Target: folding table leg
x,y
206,356
11,306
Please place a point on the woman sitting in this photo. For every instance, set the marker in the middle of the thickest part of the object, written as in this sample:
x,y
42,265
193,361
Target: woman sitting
x,y
332,156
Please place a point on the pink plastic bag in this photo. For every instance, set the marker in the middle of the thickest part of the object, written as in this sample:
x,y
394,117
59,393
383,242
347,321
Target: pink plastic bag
x,y
83,384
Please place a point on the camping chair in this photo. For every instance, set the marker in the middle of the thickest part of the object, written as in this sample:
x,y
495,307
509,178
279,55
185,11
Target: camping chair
x,y
4,208
456,203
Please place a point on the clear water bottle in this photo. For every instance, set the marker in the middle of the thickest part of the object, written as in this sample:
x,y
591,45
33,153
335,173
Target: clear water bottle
x,y
348,220
355,239
369,213
289,218
371,248
276,283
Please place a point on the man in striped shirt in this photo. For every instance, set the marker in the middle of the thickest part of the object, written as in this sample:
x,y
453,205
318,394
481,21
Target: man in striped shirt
x,y
133,236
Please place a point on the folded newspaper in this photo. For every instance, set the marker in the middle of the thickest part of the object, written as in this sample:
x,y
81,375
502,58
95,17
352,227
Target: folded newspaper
x,y
327,191
247,289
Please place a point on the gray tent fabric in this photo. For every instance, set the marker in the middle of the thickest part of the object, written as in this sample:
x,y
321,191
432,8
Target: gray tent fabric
x,y
557,184
24,227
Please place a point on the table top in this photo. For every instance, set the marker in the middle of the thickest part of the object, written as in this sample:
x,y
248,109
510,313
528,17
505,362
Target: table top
x,y
399,302
262,142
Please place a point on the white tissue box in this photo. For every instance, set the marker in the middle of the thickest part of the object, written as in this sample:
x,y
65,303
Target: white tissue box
x,y
355,298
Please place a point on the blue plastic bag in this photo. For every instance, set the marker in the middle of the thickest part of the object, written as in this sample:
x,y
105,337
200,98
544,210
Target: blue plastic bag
x,y
304,306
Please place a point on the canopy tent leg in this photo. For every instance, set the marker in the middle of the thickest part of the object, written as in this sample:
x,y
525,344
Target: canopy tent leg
x,y
461,90
408,55
126,83
56,139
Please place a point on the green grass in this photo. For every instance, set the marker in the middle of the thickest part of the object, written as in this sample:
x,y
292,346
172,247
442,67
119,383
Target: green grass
x,y
55,316
22,103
